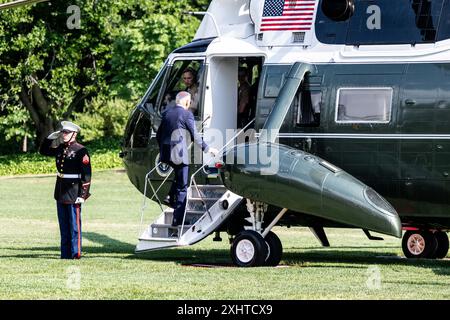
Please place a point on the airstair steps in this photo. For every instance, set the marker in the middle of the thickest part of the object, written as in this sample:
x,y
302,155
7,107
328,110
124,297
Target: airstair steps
x,y
205,211
206,191
166,230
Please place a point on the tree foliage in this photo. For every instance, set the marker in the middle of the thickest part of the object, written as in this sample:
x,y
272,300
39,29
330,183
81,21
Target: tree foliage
x,y
49,72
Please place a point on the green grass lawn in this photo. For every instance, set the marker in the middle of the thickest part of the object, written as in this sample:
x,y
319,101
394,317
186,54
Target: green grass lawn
x,y
30,267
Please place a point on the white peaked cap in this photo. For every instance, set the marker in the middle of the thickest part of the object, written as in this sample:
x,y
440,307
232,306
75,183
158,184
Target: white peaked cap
x,y
70,126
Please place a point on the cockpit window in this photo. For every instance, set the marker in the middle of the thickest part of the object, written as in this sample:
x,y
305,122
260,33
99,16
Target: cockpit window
x,y
151,98
142,131
185,75
138,130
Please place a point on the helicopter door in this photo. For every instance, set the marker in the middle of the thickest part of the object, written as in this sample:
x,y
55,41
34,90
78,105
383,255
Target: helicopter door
x,y
220,108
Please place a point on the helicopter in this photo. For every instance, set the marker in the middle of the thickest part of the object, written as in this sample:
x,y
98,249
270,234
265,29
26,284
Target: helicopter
x,y
349,126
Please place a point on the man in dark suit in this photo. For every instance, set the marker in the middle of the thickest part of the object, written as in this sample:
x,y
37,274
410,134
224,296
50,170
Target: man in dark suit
x,y
176,123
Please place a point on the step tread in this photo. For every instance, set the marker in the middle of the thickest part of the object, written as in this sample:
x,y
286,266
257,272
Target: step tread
x,y
195,211
209,186
168,239
201,199
169,226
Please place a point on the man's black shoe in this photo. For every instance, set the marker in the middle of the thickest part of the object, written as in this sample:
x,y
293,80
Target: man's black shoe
x,y
166,201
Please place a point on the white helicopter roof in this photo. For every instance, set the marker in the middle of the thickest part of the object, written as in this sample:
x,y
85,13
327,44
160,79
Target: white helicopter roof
x,y
241,29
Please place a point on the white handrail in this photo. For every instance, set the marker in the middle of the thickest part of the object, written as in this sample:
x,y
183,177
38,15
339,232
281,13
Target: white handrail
x,y
192,180
155,192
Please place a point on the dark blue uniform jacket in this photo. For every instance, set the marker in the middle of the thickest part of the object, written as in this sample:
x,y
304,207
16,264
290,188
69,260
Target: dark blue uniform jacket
x,y
70,159
172,135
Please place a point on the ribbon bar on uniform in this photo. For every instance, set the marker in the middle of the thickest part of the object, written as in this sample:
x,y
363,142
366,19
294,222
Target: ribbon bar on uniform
x,y
68,175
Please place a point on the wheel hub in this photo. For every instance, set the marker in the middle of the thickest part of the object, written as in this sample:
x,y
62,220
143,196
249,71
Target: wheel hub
x,y
245,250
416,244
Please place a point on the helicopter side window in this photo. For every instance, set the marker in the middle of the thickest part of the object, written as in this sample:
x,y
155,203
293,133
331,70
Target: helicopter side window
x,y
308,105
364,105
185,75
273,83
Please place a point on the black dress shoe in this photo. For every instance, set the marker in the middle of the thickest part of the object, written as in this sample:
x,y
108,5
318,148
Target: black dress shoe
x,y
167,201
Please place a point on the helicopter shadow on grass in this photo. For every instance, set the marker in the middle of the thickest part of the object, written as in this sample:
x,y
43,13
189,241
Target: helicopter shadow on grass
x,y
305,257
312,257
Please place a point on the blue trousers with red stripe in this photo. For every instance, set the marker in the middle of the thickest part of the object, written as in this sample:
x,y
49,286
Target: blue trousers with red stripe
x,y
69,217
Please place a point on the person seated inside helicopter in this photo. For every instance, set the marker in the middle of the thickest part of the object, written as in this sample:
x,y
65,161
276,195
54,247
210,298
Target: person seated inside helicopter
x,y
189,78
168,101
243,98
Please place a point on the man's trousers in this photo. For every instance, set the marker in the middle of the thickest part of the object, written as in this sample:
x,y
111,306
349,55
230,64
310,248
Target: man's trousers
x,y
178,191
69,217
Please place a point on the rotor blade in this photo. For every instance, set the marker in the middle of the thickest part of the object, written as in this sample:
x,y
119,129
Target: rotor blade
x,y
18,3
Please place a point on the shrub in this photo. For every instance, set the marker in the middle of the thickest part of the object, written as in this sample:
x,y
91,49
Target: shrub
x,y
105,118
104,155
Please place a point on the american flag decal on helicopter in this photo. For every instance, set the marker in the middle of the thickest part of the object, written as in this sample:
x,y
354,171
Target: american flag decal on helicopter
x,y
293,15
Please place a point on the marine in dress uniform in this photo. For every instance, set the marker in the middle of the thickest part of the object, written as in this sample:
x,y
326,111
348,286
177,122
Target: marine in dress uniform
x,y
73,181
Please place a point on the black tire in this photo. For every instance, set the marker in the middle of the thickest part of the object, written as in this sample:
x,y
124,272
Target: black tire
x,y
275,249
419,244
249,249
442,247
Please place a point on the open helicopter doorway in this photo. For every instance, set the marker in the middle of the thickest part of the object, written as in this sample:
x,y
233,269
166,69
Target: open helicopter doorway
x,y
230,98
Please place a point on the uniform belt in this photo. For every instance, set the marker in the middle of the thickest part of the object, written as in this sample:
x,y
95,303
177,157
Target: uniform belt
x,y
68,175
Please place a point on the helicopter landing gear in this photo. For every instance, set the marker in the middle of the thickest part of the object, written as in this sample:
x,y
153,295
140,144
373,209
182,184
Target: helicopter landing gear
x,y
425,244
249,249
274,248
443,244
254,248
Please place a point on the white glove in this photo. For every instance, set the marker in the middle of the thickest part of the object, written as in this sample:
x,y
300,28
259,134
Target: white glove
x,y
79,200
213,151
54,135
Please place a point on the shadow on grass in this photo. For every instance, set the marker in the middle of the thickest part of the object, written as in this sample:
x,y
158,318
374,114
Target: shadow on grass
x,y
107,245
317,258
303,257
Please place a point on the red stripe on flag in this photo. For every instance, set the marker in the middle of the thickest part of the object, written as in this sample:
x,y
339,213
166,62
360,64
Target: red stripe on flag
x,y
285,29
287,19
298,9
281,24
299,14
79,231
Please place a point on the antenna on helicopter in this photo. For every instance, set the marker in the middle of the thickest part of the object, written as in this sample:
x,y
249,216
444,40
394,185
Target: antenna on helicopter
x,y
202,13
18,3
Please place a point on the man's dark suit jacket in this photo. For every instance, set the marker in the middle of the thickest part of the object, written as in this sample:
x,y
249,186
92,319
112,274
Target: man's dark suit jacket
x,y
172,135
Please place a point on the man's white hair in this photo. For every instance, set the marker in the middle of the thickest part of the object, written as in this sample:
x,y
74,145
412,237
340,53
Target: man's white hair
x,y
182,96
